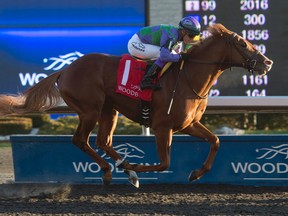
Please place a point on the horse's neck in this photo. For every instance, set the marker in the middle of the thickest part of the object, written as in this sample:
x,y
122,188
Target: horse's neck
x,y
204,75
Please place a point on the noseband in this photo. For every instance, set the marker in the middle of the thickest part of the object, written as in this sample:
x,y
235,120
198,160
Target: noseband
x,y
250,61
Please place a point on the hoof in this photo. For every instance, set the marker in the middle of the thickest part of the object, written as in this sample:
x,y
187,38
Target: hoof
x,y
133,178
194,175
107,178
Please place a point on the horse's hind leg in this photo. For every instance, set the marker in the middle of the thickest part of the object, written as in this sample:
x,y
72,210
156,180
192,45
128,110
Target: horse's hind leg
x,y
87,122
199,130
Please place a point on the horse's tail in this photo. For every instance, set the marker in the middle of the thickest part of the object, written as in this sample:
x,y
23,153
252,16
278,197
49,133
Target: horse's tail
x,y
39,98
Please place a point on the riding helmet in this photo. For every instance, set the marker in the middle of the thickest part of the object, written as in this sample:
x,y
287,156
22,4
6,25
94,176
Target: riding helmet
x,y
190,24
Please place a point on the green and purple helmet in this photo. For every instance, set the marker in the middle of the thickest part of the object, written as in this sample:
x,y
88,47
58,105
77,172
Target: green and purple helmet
x,y
190,24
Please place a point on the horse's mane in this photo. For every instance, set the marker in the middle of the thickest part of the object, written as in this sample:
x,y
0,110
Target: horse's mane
x,y
218,29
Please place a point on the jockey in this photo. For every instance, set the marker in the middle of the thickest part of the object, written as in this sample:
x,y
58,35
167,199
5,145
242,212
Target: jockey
x,y
156,42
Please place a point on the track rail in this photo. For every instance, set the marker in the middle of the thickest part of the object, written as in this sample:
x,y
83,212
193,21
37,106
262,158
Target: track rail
x,y
227,105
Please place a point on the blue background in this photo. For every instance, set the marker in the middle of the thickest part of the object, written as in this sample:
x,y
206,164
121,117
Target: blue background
x,y
36,30
41,13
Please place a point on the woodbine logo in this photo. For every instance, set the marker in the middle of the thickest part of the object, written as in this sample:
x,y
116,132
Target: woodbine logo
x,y
271,164
126,150
55,64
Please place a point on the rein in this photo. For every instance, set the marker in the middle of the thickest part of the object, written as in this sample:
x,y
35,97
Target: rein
x,y
176,84
195,92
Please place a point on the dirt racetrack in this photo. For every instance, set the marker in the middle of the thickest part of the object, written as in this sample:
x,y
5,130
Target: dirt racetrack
x,y
190,199
157,199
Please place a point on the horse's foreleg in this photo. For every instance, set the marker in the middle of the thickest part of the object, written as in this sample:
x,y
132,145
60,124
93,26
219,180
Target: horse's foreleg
x,y
163,141
107,124
81,138
199,130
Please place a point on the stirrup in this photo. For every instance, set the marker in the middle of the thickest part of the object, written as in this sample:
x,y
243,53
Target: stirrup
x,y
157,86
146,87
148,84
154,87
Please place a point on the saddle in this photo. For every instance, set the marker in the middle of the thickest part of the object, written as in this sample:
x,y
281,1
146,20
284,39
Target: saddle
x,y
129,76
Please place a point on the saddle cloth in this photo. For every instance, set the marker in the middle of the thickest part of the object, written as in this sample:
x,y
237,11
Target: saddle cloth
x,y
129,75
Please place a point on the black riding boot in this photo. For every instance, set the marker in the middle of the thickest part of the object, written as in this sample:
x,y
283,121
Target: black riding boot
x,y
147,82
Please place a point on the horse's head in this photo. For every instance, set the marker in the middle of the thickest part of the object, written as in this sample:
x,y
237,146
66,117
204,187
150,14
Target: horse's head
x,y
241,52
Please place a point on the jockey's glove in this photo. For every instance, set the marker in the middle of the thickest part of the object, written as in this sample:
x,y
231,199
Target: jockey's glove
x,y
184,56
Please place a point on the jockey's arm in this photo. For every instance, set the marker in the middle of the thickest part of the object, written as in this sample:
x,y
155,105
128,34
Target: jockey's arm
x,y
167,56
166,43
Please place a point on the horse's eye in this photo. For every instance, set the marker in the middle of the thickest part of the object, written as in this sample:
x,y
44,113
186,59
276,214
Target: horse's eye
x,y
244,45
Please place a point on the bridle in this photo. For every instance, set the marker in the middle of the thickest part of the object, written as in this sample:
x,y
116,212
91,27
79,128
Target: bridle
x,y
249,63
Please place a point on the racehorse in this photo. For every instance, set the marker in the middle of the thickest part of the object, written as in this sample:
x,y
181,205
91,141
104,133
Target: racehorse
x,y
88,87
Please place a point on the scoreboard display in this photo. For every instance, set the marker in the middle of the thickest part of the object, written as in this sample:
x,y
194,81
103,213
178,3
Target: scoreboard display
x,y
265,24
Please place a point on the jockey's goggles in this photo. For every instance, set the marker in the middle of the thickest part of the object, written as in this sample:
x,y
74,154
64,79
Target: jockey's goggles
x,y
193,36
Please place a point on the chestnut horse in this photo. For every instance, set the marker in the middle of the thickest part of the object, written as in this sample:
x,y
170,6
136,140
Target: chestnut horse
x,y
88,87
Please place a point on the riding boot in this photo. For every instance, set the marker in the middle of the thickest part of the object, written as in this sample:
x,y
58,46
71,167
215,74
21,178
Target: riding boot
x,y
147,82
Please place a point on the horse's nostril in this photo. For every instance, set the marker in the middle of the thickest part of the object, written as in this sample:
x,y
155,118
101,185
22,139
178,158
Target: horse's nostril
x,y
268,62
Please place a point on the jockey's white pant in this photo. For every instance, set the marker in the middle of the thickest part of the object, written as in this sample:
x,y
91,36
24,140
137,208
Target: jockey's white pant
x,y
141,50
